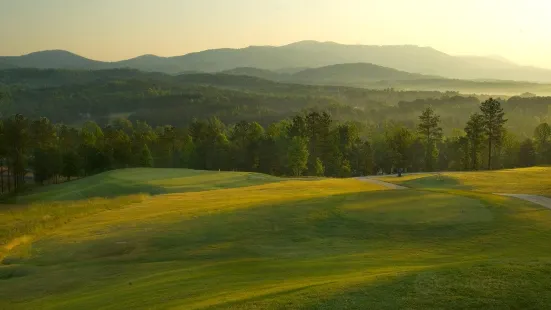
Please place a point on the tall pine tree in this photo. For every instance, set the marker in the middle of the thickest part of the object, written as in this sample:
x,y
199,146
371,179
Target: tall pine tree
x,y
429,128
494,121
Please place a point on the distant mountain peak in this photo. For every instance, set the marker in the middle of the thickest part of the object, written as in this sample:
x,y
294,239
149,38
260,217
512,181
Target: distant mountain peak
x,y
52,52
149,56
302,54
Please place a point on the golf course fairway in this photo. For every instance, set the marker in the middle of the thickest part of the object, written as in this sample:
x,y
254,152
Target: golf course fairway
x,y
183,239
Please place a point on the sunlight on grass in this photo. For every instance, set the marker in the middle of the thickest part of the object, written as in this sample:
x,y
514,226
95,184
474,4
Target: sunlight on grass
x,y
248,241
535,181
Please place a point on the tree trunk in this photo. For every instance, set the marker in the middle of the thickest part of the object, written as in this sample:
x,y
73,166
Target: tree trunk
x,y
15,185
9,179
489,153
474,158
2,175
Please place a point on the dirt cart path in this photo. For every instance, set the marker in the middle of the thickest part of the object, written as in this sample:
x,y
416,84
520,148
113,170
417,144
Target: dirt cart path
x,y
540,200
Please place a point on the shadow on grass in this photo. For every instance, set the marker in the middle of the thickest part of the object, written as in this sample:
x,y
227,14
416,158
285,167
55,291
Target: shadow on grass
x,y
436,182
489,285
305,242
321,227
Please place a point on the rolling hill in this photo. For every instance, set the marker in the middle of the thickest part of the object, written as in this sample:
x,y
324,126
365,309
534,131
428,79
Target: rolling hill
x,y
354,73
57,59
226,240
260,73
305,54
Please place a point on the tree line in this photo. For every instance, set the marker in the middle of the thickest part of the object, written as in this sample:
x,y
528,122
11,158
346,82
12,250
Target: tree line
x,y
308,144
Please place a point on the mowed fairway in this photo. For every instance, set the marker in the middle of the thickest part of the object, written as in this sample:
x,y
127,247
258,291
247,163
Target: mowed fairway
x,y
180,239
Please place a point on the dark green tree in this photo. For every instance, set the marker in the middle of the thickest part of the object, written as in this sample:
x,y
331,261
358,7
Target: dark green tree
x,y
47,164
429,128
145,160
542,137
365,161
245,138
494,121
18,141
297,155
318,127
399,142
475,135
527,154
71,164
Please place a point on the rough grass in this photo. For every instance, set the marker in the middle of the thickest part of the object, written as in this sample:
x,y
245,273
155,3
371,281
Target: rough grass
x,y
285,244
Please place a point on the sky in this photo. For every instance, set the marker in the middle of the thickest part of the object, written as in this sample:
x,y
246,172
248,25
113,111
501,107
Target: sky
x,y
109,30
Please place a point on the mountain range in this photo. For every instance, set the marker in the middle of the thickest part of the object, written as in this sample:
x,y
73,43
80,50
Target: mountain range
x,y
413,61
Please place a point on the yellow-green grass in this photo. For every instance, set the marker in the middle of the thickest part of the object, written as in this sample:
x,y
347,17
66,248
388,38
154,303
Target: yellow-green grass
x,y
281,244
534,181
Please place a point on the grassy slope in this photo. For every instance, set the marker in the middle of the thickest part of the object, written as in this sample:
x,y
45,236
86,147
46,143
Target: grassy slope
x,y
534,181
266,243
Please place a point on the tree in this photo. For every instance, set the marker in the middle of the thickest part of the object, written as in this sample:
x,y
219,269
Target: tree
x,y
145,160
119,146
71,165
345,169
43,133
527,154
509,150
320,169
318,134
166,147
362,159
475,136
46,159
429,128
3,154
47,164
91,133
494,121
245,138
17,138
297,155
542,137
399,142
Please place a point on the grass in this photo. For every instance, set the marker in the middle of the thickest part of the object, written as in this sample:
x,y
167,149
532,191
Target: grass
x,y
209,240
534,181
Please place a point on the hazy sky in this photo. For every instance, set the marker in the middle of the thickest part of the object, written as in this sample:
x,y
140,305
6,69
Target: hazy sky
x,y
118,29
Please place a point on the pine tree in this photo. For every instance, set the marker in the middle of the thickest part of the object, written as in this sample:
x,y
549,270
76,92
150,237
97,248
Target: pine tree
x,y
429,128
145,159
494,121
475,136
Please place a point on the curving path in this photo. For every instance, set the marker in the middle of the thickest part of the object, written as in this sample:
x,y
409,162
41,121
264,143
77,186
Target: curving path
x,y
540,200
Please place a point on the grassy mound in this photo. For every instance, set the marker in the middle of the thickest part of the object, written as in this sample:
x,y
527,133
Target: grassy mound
x,y
259,242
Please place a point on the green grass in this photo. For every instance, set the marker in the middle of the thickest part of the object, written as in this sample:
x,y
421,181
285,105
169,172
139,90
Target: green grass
x,y
151,181
534,181
212,240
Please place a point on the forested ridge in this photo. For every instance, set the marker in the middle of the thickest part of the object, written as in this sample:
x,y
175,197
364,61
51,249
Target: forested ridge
x,y
74,97
306,144
62,124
